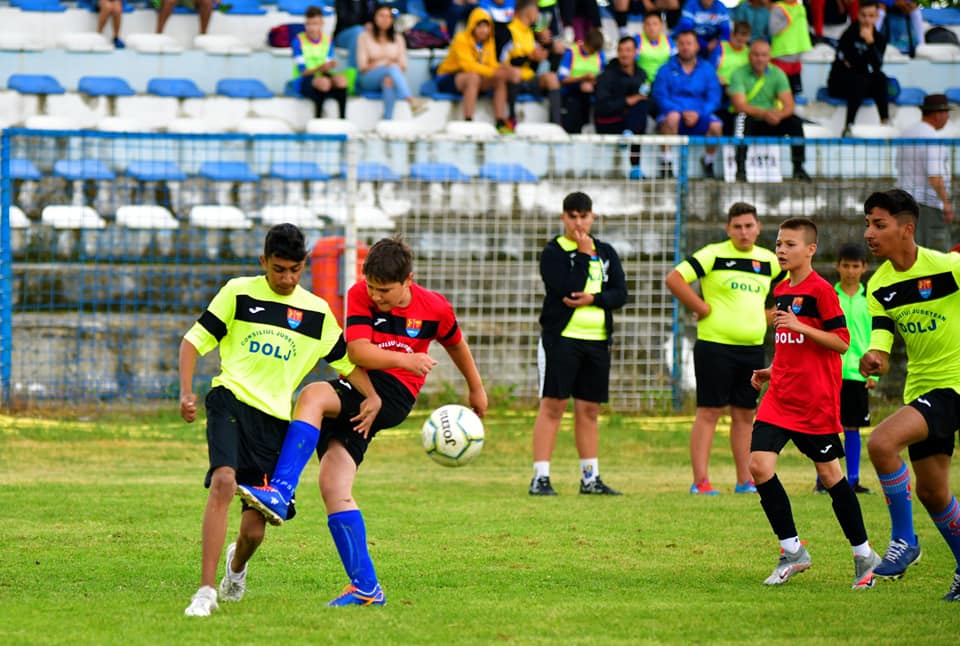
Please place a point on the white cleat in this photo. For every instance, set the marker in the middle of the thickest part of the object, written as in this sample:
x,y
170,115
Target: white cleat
x,y
202,603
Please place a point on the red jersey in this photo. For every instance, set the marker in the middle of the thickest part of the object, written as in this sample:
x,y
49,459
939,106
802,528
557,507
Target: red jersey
x,y
409,329
804,392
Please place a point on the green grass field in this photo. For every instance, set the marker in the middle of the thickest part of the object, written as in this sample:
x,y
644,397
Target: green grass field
x,y
100,528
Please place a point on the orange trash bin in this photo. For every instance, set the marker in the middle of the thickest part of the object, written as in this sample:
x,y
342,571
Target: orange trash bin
x,y
326,271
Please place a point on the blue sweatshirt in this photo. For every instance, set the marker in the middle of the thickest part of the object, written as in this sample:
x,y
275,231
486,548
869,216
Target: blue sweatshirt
x,y
676,91
709,24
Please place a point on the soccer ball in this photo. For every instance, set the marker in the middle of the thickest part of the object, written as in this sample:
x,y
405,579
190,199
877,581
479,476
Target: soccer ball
x,y
453,435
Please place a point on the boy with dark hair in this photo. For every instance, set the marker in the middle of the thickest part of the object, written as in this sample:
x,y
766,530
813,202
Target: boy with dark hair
x,y
314,62
810,336
916,291
854,405
584,284
271,333
391,321
579,68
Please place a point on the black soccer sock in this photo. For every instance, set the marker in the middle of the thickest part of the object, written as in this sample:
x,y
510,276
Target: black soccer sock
x,y
846,508
339,94
513,90
776,504
620,17
556,106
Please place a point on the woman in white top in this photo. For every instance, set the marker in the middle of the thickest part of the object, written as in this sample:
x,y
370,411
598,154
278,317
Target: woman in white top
x,y
382,61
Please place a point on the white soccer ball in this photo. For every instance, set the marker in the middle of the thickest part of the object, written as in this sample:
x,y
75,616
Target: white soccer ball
x,y
453,435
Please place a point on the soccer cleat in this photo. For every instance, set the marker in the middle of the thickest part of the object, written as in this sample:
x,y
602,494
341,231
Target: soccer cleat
x,y
707,168
954,593
900,555
541,487
597,486
352,596
233,585
267,500
801,175
788,565
746,487
860,489
863,567
202,603
703,488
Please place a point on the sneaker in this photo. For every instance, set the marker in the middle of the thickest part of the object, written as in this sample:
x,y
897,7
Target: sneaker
x,y
703,488
541,487
707,168
863,567
418,106
788,565
819,488
801,175
900,555
746,487
202,603
741,176
665,171
267,500
352,596
233,585
507,127
596,486
118,44
860,489
954,593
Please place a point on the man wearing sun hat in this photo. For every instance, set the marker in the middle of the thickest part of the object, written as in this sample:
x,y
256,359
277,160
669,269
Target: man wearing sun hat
x,y
924,172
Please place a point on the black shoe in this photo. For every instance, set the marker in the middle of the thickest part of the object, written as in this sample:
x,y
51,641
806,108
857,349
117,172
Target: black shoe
x,y
665,171
741,176
707,168
954,593
819,488
858,488
801,175
596,486
541,487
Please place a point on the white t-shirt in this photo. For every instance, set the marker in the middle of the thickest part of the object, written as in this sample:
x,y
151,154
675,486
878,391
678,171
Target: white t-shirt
x,y
920,162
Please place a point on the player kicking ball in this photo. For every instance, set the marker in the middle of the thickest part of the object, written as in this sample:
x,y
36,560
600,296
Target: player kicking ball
x,y
810,337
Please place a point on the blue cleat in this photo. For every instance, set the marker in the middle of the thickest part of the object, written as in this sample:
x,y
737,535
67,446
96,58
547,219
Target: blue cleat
x,y
703,488
746,487
900,555
353,596
267,500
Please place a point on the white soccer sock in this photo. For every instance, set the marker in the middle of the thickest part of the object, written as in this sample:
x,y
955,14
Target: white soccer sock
x,y
589,469
791,545
862,550
541,469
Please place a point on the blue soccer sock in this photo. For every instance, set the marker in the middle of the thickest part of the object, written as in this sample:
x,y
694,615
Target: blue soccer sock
x,y
948,522
896,488
350,536
851,446
298,446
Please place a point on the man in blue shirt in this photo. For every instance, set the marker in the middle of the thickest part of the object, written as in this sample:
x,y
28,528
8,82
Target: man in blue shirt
x,y
709,20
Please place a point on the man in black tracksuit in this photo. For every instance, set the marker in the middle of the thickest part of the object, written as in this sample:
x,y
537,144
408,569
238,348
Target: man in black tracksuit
x,y
584,284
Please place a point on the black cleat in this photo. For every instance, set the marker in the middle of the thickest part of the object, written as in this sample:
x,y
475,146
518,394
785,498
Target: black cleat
x,y
596,486
541,487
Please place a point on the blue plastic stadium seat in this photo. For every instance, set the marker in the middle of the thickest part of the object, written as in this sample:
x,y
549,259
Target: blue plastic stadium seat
x,y
953,94
245,8
369,94
910,96
227,172
34,84
429,89
155,171
637,173
498,172
299,7
104,86
243,89
23,169
290,88
180,88
823,96
799,99
39,5
437,172
93,5
945,16
77,169
368,171
298,171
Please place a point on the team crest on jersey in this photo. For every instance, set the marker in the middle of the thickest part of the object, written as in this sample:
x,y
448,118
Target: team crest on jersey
x,y
294,318
925,286
756,266
413,327
797,304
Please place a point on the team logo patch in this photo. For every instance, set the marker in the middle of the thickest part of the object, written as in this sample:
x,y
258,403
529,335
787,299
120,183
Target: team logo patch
x,y
797,304
925,286
756,266
294,318
413,327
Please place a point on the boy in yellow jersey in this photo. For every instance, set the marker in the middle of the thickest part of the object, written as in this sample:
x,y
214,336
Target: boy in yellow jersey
x,y
584,283
579,68
524,53
271,333
789,39
727,57
915,292
736,278
313,65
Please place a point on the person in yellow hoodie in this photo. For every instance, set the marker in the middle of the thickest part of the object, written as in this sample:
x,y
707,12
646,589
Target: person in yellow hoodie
x,y
471,67
524,53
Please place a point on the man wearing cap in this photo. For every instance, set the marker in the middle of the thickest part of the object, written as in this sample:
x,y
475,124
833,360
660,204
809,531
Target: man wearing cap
x,y
924,172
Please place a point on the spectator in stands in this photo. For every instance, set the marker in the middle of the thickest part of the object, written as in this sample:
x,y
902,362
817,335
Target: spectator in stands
x,y
709,20
907,8
831,12
924,172
730,55
757,14
855,73
654,47
623,9
523,52
110,10
761,96
789,39
471,67
382,61
314,62
578,17
687,94
622,91
547,32
353,17
450,11
501,12
579,69
165,7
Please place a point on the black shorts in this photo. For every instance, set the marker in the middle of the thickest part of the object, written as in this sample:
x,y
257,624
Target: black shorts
x,y
447,83
397,403
941,410
531,87
854,404
723,374
819,448
242,437
574,368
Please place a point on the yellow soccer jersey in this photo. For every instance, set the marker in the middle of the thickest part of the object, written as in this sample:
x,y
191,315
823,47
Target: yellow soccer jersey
x,y
735,284
268,342
923,304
